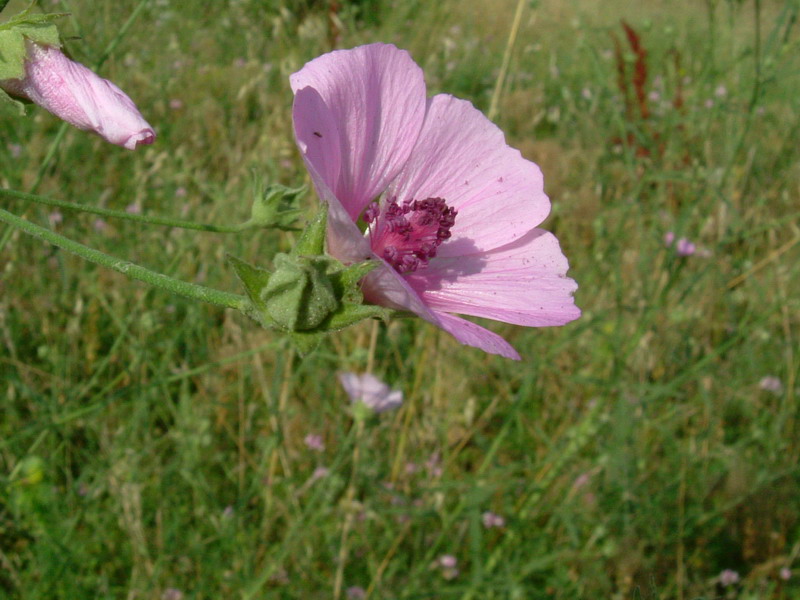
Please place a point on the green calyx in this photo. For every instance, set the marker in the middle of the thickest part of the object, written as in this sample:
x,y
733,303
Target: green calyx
x,y
27,25
275,206
308,294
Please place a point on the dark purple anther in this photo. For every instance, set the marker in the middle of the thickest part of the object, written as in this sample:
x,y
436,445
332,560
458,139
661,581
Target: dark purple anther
x,y
407,236
372,212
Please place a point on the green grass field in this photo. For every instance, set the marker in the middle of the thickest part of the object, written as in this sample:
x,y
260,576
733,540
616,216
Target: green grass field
x,y
153,448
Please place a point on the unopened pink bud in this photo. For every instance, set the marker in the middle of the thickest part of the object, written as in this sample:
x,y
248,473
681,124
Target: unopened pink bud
x,y
80,97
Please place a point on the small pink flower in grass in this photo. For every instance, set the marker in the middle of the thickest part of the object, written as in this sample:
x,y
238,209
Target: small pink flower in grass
x,y
449,566
450,210
785,573
447,561
434,465
669,238
770,383
490,520
172,594
320,473
314,442
356,593
684,247
728,577
55,218
370,391
80,97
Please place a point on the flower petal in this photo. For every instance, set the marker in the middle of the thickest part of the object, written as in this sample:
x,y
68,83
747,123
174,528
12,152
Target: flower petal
x,y
471,334
386,287
317,136
322,160
345,242
462,157
523,283
375,99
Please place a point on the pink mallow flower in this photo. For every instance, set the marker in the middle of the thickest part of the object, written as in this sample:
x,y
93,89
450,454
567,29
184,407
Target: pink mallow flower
x,y
313,441
728,577
450,210
684,247
370,391
80,97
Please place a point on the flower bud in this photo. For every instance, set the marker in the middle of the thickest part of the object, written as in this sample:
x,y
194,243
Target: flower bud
x,y
80,97
299,295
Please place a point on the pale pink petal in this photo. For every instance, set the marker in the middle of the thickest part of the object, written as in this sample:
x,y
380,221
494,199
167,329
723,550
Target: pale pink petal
x,y
317,136
345,241
375,98
370,391
351,382
80,97
386,287
524,283
471,334
463,158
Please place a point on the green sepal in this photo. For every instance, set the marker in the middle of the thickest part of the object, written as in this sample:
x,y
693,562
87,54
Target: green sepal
x,y
254,279
312,240
7,101
306,343
350,314
299,295
346,279
309,294
36,27
276,206
12,54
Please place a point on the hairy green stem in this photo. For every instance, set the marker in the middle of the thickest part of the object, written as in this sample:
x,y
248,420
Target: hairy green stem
x,y
120,214
159,280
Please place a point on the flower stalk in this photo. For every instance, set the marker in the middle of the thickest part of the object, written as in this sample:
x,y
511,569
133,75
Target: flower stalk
x,y
134,271
120,214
